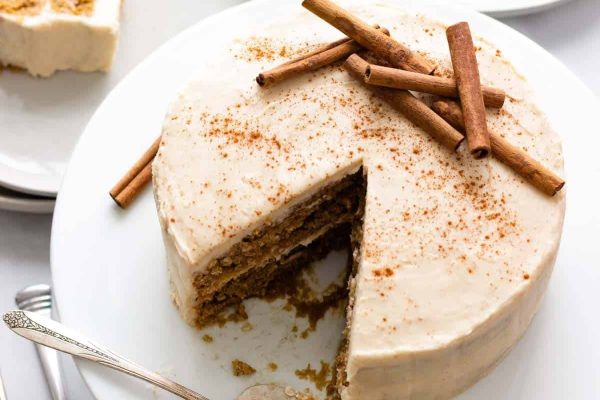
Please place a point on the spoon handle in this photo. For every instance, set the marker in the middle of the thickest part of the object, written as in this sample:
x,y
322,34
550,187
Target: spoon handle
x,y
53,334
2,392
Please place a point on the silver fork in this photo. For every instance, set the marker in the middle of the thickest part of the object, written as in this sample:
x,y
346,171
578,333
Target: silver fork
x,y
38,298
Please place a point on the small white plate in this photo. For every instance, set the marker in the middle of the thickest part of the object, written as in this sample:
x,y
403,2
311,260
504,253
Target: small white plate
x,y
508,8
15,201
109,267
41,119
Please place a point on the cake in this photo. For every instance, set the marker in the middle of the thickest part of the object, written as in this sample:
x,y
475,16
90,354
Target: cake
x,y
451,255
44,36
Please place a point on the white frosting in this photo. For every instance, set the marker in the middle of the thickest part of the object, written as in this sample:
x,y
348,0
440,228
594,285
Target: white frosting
x,y
49,41
456,252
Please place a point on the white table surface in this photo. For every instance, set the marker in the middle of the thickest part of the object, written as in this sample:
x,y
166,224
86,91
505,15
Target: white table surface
x,y
570,32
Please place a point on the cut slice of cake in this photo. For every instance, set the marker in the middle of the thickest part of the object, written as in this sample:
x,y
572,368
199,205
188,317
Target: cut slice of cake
x,y
306,233
451,255
44,36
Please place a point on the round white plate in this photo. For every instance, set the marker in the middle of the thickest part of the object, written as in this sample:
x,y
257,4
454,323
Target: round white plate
x,y
508,8
15,201
109,265
42,119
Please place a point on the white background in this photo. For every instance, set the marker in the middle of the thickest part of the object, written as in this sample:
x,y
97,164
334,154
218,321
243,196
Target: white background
x,y
570,32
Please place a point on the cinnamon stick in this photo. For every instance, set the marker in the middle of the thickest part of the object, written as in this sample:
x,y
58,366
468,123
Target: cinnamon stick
x,y
319,49
512,156
331,45
134,187
135,179
325,55
466,74
382,45
412,108
446,87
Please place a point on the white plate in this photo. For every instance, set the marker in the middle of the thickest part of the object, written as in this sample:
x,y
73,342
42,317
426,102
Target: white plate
x,y
109,266
508,8
15,201
41,119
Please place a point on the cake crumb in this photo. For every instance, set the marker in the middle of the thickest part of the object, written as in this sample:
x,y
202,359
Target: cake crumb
x,y
241,368
319,378
306,303
208,338
247,327
238,315
295,395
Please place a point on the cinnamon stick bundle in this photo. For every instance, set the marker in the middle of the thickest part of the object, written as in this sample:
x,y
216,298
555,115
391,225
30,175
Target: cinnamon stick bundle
x,y
412,108
466,73
446,87
512,156
382,45
132,183
325,55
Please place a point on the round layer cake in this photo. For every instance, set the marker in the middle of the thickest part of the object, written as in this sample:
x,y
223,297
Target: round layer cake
x,y
452,254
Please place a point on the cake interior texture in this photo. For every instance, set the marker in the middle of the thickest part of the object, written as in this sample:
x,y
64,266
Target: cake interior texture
x,y
76,7
21,7
276,251
33,7
267,258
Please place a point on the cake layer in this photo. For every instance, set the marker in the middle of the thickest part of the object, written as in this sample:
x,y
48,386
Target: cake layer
x,y
258,281
44,36
247,268
455,253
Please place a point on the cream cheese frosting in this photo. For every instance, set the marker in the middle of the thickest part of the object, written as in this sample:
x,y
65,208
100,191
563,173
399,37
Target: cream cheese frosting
x,y
456,253
52,35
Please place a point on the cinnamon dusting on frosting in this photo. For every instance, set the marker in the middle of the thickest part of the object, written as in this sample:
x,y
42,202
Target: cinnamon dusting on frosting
x,y
256,48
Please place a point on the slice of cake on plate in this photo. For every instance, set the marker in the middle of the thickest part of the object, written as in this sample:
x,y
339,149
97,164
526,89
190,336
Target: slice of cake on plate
x,y
44,36
451,255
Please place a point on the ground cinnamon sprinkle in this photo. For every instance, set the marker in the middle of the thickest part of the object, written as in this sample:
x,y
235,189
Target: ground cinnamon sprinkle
x,y
258,48
387,272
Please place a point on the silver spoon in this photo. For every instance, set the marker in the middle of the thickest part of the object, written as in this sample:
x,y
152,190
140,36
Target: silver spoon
x,y
2,392
50,333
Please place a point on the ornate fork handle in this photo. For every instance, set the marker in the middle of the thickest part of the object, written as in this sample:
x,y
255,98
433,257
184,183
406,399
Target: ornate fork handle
x,y
53,334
